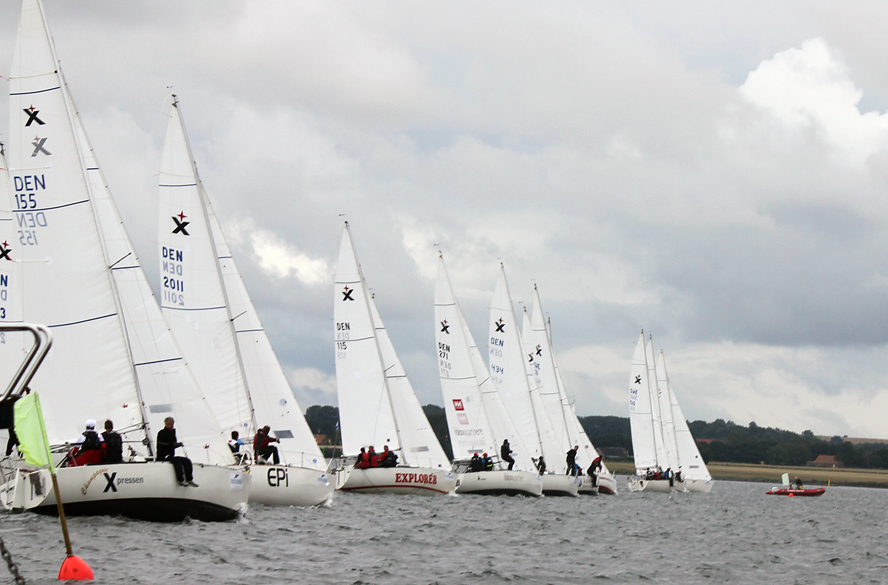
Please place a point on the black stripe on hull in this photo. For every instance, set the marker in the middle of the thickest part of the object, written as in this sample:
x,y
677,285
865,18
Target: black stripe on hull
x,y
149,509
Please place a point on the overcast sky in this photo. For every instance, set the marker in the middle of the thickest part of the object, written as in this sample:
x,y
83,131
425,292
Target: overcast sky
x,y
715,173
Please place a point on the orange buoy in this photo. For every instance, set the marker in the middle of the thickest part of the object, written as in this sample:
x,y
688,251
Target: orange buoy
x,y
75,569
791,495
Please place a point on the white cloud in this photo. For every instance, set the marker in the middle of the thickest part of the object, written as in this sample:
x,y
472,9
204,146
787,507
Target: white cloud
x,y
809,89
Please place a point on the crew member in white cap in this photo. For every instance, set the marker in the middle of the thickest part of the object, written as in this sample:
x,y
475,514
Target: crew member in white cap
x,y
88,447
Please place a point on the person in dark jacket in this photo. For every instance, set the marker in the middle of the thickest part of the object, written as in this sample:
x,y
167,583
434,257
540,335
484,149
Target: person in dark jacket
x,y
572,460
167,443
540,465
113,444
506,454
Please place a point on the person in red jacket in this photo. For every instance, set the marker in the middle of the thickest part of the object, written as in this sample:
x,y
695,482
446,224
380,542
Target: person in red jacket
x,y
262,446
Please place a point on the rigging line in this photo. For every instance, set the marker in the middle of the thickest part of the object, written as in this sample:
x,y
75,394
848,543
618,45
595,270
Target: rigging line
x,y
127,255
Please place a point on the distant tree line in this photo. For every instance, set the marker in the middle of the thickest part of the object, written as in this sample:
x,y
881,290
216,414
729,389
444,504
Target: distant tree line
x,y
723,440
732,443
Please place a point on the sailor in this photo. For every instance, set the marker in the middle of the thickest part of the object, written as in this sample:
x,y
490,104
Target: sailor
x,y
678,475
486,463
167,443
388,458
372,457
571,460
88,447
263,448
363,460
594,469
540,465
235,443
113,444
476,464
798,483
506,454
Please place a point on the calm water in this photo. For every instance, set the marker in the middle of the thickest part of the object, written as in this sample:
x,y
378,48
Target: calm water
x,y
736,534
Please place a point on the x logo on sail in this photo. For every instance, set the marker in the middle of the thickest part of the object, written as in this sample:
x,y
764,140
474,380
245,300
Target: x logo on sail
x,y
638,379
539,350
181,223
530,356
445,328
38,146
500,326
347,294
4,251
32,116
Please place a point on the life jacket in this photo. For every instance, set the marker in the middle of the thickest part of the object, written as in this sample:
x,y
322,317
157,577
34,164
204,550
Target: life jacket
x,y
113,446
91,441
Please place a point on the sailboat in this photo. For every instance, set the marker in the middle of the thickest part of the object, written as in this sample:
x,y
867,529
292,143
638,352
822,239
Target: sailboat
x,y
210,311
568,428
113,356
655,418
508,369
694,473
377,405
476,417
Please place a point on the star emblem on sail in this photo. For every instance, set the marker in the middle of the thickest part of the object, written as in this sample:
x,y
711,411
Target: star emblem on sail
x,y
347,294
500,326
32,116
5,249
38,146
445,328
181,223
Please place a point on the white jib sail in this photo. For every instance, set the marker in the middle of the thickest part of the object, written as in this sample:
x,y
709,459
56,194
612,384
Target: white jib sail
x,y
365,412
10,281
663,459
664,398
470,431
691,463
549,437
419,444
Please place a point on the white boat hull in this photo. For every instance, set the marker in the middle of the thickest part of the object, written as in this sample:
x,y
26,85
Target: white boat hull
x,y
144,491
702,486
396,480
500,482
607,484
283,485
639,484
587,488
561,485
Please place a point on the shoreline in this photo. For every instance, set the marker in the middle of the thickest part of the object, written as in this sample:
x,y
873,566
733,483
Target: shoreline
x,y
771,474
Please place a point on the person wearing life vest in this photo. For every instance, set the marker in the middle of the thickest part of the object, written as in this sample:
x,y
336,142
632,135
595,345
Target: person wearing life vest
x,y
486,463
388,458
113,444
87,448
263,448
363,460
373,457
594,469
571,460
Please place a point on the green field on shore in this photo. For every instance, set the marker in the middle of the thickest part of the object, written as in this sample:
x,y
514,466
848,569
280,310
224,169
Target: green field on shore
x,y
820,476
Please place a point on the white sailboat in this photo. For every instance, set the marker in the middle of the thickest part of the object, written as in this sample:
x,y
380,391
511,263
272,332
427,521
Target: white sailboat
x,y
377,405
476,417
508,368
693,471
113,356
558,405
661,440
210,311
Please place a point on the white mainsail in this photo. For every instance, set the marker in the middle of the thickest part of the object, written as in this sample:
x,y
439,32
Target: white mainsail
x,y
470,429
192,296
667,424
258,374
377,405
551,434
641,416
112,355
9,281
509,374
